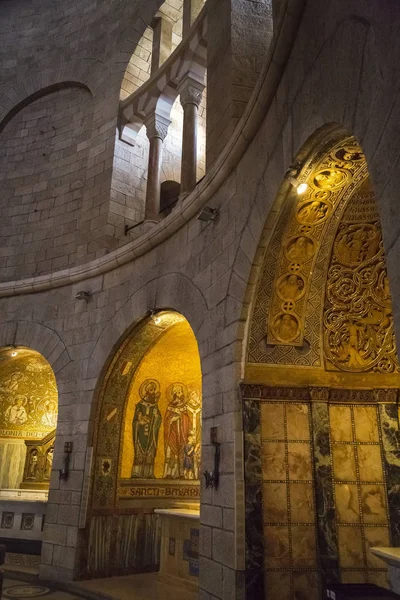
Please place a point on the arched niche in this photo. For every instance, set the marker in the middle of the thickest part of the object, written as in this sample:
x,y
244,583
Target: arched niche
x,y
147,443
149,418
28,418
321,384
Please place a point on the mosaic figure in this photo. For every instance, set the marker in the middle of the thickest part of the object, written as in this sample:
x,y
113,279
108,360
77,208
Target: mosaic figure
x,y
176,431
190,470
49,417
145,429
33,464
49,463
194,409
16,412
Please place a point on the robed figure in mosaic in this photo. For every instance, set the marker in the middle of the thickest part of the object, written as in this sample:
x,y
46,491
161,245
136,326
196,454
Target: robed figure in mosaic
x,y
145,429
176,431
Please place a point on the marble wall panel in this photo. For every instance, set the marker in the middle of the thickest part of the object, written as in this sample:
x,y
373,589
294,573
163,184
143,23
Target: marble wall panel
x,y
389,424
254,499
327,536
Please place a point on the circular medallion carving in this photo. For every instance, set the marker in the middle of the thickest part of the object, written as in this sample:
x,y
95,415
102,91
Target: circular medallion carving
x,y
286,327
331,179
300,249
349,153
290,287
313,212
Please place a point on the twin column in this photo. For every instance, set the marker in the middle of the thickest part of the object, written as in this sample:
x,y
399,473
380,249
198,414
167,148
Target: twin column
x,y
157,128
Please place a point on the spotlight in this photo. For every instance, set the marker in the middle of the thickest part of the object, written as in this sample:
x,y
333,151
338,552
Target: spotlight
x,y
292,176
208,214
14,354
302,188
156,318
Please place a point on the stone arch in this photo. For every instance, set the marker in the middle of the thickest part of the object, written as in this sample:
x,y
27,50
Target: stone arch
x,y
126,340
39,93
88,74
44,176
37,336
172,291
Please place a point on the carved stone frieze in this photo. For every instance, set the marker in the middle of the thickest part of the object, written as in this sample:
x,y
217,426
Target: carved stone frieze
x,y
358,321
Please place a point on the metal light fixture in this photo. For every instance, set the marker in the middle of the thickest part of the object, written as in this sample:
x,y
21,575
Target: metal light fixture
x,y
64,472
292,176
156,318
13,349
208,214
83,295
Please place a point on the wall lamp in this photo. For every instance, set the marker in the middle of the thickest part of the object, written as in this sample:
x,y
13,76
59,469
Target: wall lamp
x,y
64,472
83,295
208,214
292,176
13,350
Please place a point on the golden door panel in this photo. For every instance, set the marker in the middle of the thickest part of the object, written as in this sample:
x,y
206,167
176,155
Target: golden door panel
x,y
298,427
288,501
370,463
360,491
274,460
272,420
347,503
340,419
344,462
302,502
275,503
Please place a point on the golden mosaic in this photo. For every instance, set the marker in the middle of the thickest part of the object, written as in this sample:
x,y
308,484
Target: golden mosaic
x,y
28,394
149,420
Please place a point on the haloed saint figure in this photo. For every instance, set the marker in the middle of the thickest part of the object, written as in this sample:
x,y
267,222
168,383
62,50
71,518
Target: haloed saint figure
x,y
176,432
145,428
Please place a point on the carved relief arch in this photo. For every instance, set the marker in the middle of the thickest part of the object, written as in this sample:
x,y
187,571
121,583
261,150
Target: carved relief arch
x,y
323,289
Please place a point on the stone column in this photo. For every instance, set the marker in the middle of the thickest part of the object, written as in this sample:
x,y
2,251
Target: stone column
x,y
190,96
191,10
157,129
162,41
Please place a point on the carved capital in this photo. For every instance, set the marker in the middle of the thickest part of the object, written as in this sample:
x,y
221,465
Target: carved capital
x,y
157,127
191,93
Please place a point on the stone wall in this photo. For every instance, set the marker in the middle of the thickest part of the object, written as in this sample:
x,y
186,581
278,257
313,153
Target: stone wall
x,y
344,71
91,44
43,167
239,35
